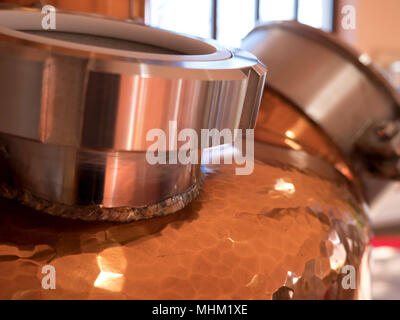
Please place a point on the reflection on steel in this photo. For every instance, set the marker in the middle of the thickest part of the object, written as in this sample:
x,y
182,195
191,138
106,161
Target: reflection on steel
x,y
77,114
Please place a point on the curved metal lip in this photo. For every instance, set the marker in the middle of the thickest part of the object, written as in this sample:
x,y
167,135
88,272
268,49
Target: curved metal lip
x,y
211,50
341,47
213,67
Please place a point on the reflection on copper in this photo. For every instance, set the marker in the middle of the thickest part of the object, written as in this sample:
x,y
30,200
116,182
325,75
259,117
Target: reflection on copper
x,y
290,134
344,170
112,264
282,185
281,123
293,145
109,281
253,281
291,279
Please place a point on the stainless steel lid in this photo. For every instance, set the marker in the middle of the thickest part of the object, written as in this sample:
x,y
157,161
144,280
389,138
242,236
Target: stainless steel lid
x,y
333,84
77,103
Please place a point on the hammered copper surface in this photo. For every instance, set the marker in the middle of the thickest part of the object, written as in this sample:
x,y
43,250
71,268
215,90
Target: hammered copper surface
x,y
283,232
279,233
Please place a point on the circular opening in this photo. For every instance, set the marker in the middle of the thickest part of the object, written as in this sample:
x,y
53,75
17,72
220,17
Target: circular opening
x,y
108,36
102,42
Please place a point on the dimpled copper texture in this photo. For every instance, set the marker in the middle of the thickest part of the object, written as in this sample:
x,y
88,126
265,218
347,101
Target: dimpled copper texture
x,y
283,232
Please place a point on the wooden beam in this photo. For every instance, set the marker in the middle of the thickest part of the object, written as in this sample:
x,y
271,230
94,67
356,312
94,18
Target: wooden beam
x,y
124,9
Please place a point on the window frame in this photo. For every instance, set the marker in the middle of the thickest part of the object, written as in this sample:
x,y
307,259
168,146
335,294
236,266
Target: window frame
x,y
257,15
214,15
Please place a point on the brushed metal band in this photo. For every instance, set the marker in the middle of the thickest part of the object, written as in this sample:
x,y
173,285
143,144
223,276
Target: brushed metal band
x,y
74,117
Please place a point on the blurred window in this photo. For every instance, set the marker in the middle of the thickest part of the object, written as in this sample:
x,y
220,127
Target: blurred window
x,y
316,13
235,18
272,10
229,21
192,17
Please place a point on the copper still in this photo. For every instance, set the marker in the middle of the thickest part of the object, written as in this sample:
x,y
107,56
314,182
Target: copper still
x,y
286,231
